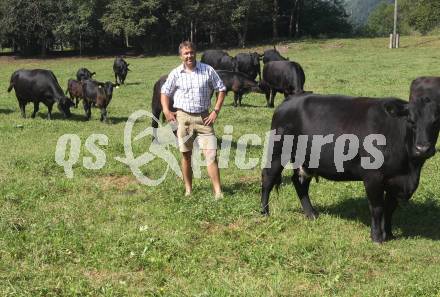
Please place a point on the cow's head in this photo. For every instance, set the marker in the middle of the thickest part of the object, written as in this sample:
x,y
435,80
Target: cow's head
x,y
423,123
107,87
64,105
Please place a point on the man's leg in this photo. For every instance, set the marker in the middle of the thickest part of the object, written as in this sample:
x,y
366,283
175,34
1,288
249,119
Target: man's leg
x,y
187,171
213,171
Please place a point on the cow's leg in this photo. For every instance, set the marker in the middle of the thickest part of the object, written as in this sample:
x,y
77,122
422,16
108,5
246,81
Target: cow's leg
x,y
116,78
87,110
240,96
76,102
103,114
267,98
36,108
49,111
375,192
269,177
390,206
22,106
235,99
302,185
272,97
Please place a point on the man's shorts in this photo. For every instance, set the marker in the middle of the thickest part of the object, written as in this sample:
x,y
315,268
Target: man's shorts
x,y
190,127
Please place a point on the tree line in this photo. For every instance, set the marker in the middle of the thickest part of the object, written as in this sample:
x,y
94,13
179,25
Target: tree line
x,y
38,26
31,27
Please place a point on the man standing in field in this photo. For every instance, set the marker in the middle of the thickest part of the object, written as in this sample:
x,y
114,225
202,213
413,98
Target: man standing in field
x,y
192,84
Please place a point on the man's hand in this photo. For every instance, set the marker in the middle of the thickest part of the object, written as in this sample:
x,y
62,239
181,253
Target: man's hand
x,y
170,116
210,119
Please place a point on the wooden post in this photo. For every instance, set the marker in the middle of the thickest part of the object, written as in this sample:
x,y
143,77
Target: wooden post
x,y
397,40
391,40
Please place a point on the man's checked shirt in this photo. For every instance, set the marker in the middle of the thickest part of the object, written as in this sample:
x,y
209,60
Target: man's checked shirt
x,y
192,91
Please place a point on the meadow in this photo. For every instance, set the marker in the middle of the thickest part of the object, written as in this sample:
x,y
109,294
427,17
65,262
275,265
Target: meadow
x,y
103,233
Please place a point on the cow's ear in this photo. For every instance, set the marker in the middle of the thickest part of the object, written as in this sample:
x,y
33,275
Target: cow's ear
x,y
396,109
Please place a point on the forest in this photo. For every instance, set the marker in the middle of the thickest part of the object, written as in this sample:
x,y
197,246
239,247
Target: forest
x,y
31,27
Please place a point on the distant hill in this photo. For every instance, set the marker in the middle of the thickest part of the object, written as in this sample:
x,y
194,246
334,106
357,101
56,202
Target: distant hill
x,y
359,10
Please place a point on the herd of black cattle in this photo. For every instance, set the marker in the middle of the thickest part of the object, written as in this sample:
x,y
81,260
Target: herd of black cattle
x,y
390,168
39,85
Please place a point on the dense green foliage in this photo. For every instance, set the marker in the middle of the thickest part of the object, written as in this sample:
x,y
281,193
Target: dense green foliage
x,y
103,233
154,25
413,15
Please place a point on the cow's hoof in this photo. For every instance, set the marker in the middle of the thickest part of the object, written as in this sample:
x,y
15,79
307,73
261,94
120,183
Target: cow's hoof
x,y
312,216
265,213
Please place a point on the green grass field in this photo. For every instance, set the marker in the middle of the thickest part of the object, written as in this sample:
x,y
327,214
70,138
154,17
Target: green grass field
x,y
103,233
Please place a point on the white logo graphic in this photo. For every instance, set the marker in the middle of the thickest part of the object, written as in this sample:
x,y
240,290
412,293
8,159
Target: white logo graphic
x,y
164,137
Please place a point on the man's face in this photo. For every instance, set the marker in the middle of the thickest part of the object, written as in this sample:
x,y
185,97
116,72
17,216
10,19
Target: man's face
x,y
188,57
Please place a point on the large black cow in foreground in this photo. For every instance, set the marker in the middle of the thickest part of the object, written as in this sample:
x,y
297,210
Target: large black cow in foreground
x,y
271,55
39,85
389,164
120,68
219,60
84,73
98,94
239,83
425,86
286,77
249,64
156,106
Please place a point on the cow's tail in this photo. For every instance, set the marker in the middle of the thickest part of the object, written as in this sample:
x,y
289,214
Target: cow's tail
x,y
11,86
11,83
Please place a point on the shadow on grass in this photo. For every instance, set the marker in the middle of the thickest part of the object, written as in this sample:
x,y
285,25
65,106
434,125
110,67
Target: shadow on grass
x,y
132,84
6,110
413,219
421,43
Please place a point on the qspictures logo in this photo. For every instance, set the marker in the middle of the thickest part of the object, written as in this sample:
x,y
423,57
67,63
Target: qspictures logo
x,y
164,141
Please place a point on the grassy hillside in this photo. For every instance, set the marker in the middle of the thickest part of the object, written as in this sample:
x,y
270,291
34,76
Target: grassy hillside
x,y
103,233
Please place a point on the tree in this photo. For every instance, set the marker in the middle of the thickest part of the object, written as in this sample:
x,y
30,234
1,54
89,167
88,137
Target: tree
x,y
421,15
30,24
129,18
381,20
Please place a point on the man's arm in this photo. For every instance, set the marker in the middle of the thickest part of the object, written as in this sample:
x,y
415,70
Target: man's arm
x,y
165,101
166,91
217,107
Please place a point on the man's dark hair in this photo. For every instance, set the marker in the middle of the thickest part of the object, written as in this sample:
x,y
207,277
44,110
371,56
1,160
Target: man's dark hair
x,y
187,44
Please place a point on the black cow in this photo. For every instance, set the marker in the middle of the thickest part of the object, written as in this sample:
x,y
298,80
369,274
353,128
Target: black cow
x,y
249,64
98,94
156,106
425,86
39,85
120,68
272,55
239,83
392,165
219,60
84,73
282,76
75,90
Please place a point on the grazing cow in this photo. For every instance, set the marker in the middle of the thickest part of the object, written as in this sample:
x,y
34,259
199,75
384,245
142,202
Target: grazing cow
x,y
98,94
282,76
75,90
249,64
272,55
425,86
39,85
219,60
239,83
156,106
84,73
120,68
404,134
